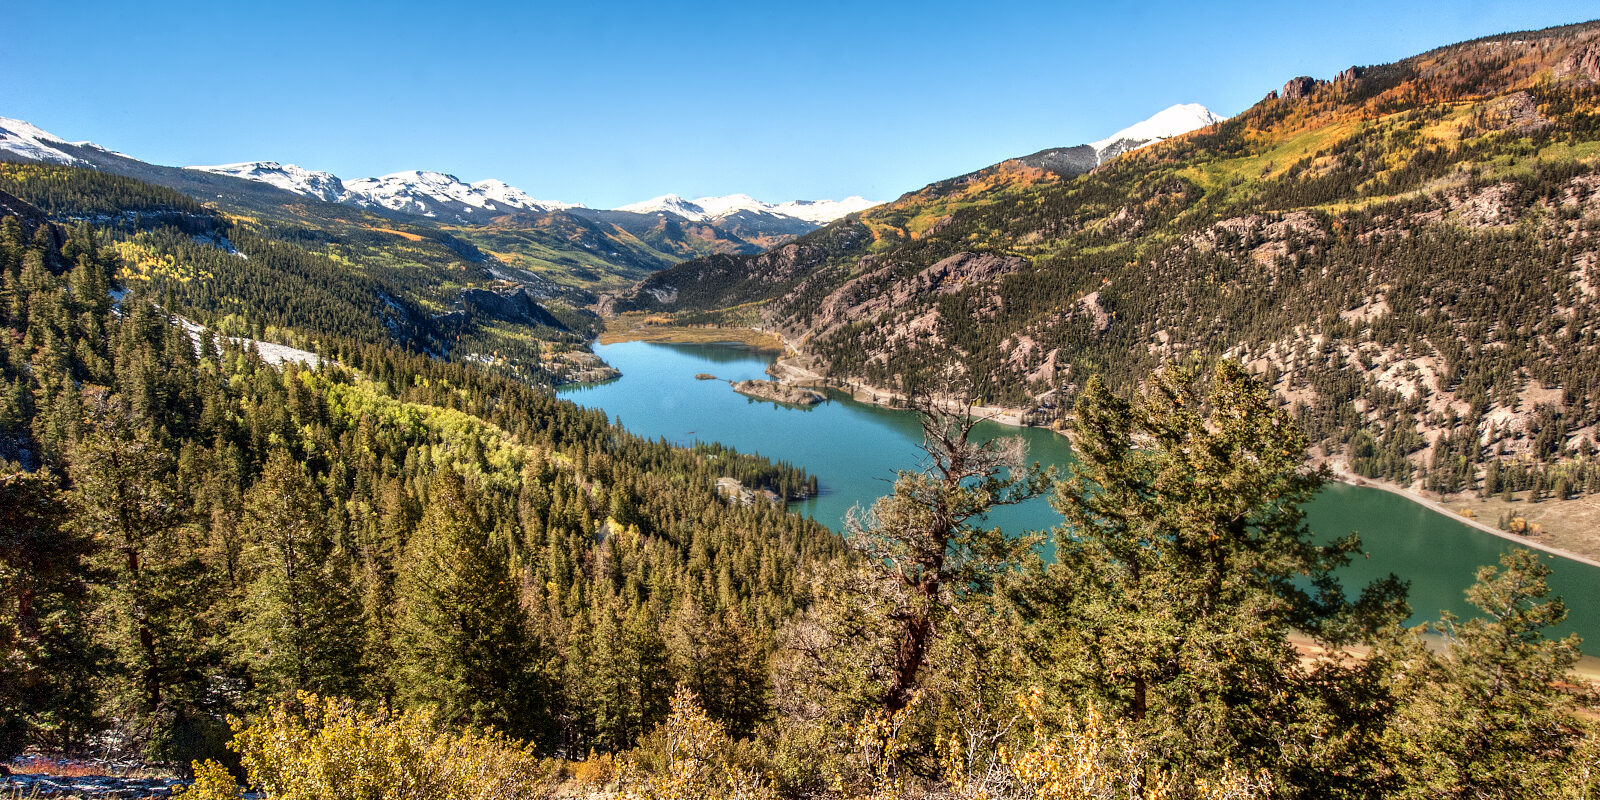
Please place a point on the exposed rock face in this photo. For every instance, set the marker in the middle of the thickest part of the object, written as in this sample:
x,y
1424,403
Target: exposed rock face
x,y
1584,61
1090,303
1349,75
30,217
514,306
1064,161
1300,87
1520,112
881,290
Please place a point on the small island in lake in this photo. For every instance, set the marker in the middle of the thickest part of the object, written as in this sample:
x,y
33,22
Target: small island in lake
x,y
777,392
704,376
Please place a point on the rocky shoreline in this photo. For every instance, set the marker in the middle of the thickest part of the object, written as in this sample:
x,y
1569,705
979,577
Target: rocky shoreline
x,y
792,372
778,392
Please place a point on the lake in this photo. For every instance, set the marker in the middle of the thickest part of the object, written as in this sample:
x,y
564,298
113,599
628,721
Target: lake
x,y
854,449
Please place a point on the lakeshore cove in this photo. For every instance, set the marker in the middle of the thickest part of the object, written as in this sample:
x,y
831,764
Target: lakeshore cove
x,y
854,449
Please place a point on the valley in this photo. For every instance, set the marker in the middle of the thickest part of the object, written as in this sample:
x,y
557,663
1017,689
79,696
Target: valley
x,y
1333,238
1220,457
1565,527
854,445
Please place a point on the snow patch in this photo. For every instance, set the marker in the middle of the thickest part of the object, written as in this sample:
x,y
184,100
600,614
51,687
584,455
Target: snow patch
x,y
1173,121
34,143
270,352
288,177
715,209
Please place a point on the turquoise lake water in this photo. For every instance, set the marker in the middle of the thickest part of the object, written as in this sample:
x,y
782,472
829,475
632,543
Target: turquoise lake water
x,y
854,449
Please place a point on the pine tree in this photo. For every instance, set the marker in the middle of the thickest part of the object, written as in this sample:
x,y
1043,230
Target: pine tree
x,y
152,600
461,642
921,544
46,655
719,658
1489,719
1184,564
302,623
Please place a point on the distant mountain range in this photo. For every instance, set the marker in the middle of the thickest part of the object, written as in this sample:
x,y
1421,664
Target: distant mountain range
x,y
715,209
424,193
729,279
416,193
584,249
573,245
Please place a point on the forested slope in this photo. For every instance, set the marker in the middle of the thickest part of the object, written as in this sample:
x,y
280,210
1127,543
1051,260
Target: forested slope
x,y
200,533
1407,252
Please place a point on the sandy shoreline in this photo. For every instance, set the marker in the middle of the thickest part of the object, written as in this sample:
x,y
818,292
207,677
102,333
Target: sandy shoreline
x,y
786,371
1343,476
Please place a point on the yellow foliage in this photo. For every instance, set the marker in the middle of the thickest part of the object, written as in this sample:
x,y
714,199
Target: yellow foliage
x,y
696,768
410,237
594,771
879,742
211,782
321,749
1092,758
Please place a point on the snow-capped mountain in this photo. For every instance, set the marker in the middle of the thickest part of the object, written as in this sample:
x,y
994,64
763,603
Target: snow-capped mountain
x,y
1173,121
418,192
715,209
435,194
668,204
1072,161
823,212
25,141
288,177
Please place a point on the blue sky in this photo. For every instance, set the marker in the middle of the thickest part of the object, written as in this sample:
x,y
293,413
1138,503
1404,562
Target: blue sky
x,y
606,103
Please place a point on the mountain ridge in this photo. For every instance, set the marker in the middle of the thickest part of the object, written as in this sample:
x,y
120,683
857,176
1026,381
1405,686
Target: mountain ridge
x,y
1404,251
547,242
432,194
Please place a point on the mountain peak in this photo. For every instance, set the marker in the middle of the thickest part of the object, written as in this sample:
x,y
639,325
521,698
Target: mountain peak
x,y
668,204
1172,121
26,140
716,208
432,194
288,177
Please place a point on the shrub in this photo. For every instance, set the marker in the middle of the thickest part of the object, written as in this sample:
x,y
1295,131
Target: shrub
x,y
324,748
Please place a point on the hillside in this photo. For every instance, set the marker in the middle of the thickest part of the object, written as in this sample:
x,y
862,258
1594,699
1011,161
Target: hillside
x,y
243,519
1407,251
533,241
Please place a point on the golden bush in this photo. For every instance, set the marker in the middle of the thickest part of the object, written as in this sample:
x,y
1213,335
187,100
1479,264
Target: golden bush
x,y
696,762
322,749
1091,758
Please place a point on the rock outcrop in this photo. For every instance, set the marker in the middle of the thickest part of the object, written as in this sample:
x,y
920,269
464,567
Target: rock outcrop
x,y
1299,87
513,306
1586,62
